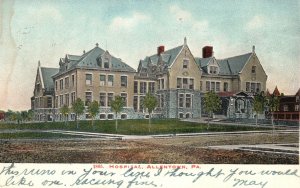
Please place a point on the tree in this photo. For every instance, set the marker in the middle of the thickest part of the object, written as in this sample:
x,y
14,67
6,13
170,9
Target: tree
x,y
24,115
273,105
117,106
93,110
212,103
150,103
259,105
78,108
65,111
30,114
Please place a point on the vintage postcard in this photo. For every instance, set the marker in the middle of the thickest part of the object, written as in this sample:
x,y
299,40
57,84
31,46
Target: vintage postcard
x,y
183,93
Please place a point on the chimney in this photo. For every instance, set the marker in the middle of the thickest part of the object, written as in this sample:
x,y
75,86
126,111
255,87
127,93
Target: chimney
x,y
207,51
160,49
253,49
83,51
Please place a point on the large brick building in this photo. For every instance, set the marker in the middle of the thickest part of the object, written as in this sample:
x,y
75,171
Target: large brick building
x,y
175,76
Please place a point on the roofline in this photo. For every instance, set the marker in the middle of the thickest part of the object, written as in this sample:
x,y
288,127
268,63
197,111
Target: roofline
x,y
41,77
246,63
176,55
74,68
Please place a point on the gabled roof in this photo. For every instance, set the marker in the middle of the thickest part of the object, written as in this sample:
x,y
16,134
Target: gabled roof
x,y
46,77
203,62
168,57
89,60
298,92
228,66
276,92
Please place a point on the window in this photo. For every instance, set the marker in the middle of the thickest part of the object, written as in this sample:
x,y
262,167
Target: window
x,y
135,87
188,101
212,86
56,85
49,102
297,107
124,97
123,81
180,115
252,87
184,83
207,86
110,81
162,101
151,87
297,98
106,63
253,70
102,99
110,97
191,84
141,103
102,116
217,86
56,102
285,108
181,100
38,87
162,84
135,103
67,99
179,83
247,86
158,84
88,116
213,69
258,88
61,84
102,79
110,116
123,116
88,79
143,87
185,63
201,85
225,86
67,82
187,115
73,80
72,97
88,98
61,100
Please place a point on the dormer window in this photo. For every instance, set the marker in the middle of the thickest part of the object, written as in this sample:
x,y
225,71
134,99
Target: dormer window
x,y
106,63
213,70
253,70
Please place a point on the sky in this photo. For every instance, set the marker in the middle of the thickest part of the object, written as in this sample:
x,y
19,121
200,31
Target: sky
x,y
32,31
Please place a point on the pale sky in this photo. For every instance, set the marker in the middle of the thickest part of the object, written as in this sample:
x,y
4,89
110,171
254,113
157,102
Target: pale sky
x,y
47,30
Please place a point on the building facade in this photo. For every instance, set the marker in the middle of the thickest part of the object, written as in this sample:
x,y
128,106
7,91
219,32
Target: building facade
x,y
288,110
177,78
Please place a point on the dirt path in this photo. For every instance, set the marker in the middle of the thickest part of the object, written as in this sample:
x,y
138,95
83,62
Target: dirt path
x,y
171,150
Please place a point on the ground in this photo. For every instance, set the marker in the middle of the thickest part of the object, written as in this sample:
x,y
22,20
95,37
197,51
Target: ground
x,y
177,150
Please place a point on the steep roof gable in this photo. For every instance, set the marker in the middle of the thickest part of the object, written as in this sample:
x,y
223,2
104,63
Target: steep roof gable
x,y
46,75
167,57
235,64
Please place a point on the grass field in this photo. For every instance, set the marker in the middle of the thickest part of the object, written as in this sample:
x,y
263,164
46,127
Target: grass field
x,y
35,135
130,127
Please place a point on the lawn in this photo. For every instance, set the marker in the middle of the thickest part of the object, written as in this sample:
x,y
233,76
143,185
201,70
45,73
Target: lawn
x,y
35,135
133,127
